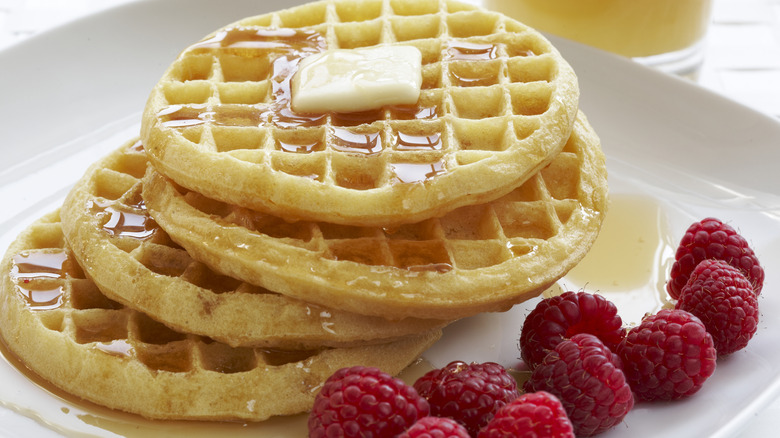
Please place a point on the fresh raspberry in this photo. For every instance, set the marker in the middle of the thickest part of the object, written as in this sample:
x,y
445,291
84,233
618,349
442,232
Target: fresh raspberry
x,y
722,297
468,393
364,402
436,427
536,414
712,239
667,356
561,317
586,376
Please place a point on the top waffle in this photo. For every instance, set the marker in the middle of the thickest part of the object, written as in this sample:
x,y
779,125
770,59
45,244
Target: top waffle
x,y
497,104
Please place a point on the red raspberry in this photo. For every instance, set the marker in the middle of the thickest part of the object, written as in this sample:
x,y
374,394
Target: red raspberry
x,y
586,376
364,402
561,317
712,239
721,296
537,414
435,427
468,393
667,356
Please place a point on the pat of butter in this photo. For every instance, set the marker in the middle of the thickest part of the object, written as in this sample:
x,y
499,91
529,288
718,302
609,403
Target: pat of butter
x,y
349,80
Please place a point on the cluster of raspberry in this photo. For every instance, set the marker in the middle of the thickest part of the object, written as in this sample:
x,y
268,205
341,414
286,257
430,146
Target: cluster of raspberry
x,y
586,370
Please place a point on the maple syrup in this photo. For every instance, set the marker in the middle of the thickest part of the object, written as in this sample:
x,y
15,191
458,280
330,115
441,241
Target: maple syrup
x,y
42,299
413,112
303,148
183,116
35,265
117,347
122,223
416,172
409,142
263,41
467,51
345,140
472,80
631,258
286,47
286,118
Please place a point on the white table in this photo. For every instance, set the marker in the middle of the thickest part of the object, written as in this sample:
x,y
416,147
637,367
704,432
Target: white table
x,y
742,61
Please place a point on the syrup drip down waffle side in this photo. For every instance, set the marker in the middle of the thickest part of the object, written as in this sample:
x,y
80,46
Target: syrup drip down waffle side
x,y
60,325
497,104
134,262
474,259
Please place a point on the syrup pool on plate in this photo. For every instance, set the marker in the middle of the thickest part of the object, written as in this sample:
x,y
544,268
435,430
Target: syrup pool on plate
x,y
630,261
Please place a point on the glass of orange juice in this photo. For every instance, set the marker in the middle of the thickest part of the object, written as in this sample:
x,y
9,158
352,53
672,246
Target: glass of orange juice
x,y
667,34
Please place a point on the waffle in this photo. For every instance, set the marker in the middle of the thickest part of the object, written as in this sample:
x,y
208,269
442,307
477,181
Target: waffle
x,y
497,104
477,258
135,263
62,327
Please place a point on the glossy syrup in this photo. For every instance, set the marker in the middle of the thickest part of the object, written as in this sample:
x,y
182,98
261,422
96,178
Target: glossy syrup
x,y
410,142
122,223
631,258
286,48
345,140
466,51
263,40
36,265
37,276
417,172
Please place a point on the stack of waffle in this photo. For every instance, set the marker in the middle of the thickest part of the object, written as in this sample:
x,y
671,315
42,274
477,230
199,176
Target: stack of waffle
x,y
225,263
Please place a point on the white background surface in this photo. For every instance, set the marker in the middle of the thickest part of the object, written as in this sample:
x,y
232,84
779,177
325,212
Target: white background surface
x,y
742,62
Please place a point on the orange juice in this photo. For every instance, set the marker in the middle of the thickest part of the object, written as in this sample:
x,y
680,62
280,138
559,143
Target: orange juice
x,y
634,28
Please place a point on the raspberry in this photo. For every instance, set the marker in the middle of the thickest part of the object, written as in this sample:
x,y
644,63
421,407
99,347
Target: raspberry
x,y
560,317
435,427
668,356
537,414
721,296
712,239
468,393
586,376
364,402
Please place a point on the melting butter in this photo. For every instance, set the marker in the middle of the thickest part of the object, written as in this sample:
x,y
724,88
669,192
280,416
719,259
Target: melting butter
x,y
350,80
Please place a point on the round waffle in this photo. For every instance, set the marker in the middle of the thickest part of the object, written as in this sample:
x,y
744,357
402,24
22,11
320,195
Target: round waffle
x,y
134,262
477,258
62,327
497,104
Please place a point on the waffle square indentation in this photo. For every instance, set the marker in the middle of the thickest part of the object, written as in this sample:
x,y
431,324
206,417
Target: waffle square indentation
x,y
180,93
175,357
312,165
416,28
363,11
405,7
221,358
471,23
360,34
99,326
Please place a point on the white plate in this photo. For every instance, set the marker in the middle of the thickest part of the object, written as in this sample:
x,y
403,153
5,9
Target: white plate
x,y
73,94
